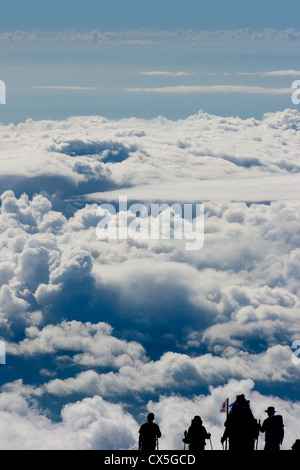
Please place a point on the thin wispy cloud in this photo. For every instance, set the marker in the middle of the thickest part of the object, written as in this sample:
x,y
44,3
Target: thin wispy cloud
x,y
147,36
213,89
273,73
62,87
270,73
137,42
163,73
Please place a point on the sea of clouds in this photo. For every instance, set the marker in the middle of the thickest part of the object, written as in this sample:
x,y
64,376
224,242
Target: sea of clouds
x,y
126,326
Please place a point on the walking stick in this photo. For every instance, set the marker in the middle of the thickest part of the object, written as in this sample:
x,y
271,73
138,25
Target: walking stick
x,y
184,443
210,443
257,435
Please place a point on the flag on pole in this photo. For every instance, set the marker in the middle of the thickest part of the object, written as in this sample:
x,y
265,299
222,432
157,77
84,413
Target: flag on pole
x,y
223,407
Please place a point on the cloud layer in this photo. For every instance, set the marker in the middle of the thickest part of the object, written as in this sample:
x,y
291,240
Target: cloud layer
x,y
121,326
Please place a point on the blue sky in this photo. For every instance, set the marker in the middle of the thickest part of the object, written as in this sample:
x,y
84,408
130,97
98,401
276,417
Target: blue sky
x,y
133,14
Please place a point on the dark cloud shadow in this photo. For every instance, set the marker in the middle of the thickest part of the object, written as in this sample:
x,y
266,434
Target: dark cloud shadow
x,y
106,151
64,193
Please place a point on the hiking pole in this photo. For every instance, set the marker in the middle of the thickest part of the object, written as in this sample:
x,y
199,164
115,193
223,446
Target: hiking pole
x,y
184,440
257,435
210,443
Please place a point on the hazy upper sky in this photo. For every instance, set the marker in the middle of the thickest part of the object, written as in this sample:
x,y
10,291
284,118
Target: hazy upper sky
x,y
159,14
123,58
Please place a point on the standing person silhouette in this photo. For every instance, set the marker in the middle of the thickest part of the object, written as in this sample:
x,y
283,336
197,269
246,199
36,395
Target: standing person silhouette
x,y
149,434
241,427
196,435
273,429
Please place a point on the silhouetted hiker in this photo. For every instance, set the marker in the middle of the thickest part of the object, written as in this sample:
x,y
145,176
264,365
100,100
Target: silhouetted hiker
x,y
149,435
196,435
241,427
273,429
296,445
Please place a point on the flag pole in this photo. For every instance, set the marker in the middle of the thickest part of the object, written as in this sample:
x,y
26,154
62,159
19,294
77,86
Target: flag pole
x,y
227,407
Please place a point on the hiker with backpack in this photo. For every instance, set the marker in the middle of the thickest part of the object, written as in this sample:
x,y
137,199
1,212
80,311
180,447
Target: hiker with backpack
x,y
196,435
274,430
241,428
149,434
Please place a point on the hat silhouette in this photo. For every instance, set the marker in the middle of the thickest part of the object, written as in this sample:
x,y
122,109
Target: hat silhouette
x,y
241,398
270,409
197,419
